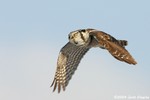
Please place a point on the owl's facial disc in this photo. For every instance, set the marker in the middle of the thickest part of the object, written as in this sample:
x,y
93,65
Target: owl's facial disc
x,y
79,37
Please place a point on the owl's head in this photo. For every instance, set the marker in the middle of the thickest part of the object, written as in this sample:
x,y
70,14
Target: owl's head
x,y
79,37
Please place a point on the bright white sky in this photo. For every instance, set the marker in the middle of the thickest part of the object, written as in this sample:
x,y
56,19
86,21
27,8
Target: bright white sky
x,y
33,31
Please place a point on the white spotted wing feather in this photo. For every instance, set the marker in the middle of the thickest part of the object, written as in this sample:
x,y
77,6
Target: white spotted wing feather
x,y
68,60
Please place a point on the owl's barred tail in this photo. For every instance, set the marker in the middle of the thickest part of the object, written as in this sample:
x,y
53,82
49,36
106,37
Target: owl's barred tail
x,y
123,42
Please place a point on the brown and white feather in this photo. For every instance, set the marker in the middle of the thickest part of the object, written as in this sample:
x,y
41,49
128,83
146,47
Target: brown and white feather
x,y
68,60
115,47
80,41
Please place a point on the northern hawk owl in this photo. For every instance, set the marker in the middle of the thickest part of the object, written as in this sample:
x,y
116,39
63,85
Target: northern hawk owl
x,y
80,41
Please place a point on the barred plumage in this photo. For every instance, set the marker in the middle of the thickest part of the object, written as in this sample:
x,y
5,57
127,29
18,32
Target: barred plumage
x,y
68,60
80,41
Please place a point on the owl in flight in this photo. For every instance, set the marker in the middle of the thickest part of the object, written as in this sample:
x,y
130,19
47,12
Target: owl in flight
x,y
80,41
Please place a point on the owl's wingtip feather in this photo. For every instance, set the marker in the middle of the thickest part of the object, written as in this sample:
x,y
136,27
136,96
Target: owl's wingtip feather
x,y
131,61
134,63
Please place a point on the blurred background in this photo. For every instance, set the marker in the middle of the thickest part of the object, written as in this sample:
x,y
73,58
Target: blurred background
x,y
32,32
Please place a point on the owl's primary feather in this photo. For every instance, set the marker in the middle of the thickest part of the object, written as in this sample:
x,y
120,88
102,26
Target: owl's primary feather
x,y
115,47
80,41
68,60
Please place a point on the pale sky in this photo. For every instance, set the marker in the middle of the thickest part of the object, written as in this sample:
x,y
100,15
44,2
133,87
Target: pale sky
x,y
32,32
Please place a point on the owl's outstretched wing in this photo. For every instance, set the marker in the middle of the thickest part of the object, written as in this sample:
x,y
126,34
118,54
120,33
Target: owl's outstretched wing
x,y
115,47
68,60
